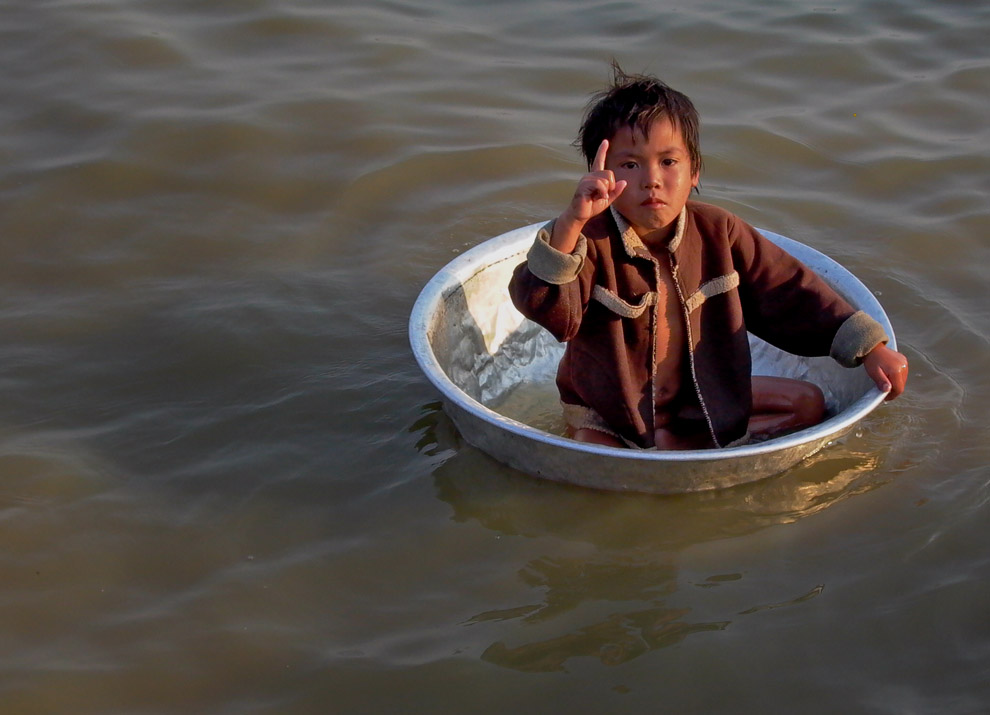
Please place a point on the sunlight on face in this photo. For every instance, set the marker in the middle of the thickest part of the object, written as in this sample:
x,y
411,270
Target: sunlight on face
x,y
657,169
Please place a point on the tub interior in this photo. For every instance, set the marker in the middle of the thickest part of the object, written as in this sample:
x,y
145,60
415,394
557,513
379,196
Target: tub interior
x,y
507,363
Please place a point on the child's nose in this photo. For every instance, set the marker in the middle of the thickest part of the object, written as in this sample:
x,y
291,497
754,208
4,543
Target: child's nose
x,y
652,177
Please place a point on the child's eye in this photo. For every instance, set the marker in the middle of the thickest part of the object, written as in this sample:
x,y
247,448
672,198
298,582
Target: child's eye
x,y
628,165
669,162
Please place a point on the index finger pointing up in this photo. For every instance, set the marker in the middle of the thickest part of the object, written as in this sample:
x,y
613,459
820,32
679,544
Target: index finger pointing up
x,y
599,163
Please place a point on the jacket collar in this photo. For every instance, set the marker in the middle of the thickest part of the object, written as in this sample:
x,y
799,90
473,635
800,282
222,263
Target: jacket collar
x,y
632,242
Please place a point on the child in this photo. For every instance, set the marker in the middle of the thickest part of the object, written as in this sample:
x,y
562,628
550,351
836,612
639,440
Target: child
x,y
654,294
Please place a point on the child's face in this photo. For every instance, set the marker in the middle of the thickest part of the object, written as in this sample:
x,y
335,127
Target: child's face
x,y
658,173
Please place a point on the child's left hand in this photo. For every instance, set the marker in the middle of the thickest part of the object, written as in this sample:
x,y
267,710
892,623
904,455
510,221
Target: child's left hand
x,y
888,368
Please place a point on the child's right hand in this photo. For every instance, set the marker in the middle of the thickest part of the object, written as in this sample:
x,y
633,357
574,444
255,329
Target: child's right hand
x,y
595,192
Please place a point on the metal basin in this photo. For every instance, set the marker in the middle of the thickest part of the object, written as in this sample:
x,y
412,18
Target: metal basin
x,y
495,372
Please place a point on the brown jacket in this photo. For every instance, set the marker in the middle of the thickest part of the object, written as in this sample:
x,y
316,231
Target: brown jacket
x,y
602,301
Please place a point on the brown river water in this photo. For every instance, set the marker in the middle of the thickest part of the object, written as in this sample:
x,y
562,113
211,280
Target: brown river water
x,y
226,486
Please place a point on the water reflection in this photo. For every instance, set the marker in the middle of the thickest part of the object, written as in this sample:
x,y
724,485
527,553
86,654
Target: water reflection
x,y
620,597
587,586
478,488
568,583
435,435
813,593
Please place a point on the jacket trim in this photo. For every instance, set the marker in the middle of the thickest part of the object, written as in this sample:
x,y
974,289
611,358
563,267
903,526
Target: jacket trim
x,y
741,441
712,288
679,231
633,244
553,266
580,417
620,307
690,353
857,336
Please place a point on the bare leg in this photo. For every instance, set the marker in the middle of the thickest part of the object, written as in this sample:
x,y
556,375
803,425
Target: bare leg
x,y
593,436
781,404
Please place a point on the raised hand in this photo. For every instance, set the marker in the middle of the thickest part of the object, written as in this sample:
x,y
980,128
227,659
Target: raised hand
x,y
595,192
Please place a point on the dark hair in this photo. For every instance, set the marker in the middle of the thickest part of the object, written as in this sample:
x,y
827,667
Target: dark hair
x,y
636,101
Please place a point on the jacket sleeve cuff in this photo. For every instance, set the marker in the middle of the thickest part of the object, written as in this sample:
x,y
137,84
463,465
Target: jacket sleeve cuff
x,y
553,266
857,336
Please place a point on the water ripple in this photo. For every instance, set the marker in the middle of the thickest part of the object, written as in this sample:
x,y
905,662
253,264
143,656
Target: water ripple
x,y
216,217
